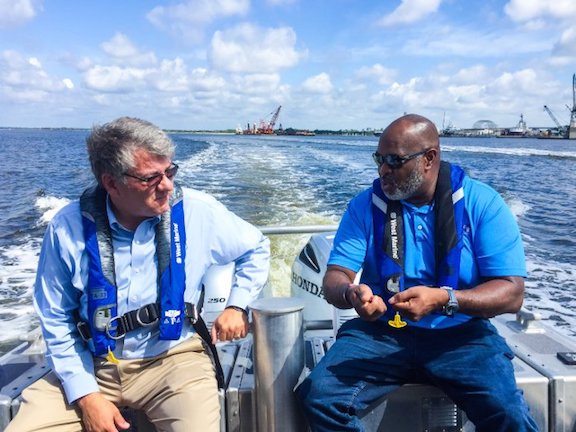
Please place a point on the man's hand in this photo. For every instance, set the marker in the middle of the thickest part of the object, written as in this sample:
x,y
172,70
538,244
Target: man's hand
x,y
370,307
418,301
101,415
230,324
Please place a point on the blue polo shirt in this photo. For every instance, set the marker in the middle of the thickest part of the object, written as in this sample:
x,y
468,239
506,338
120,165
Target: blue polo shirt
x,y
492,244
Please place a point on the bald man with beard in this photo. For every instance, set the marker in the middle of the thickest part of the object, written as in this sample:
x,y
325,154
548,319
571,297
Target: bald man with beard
x,y
440,253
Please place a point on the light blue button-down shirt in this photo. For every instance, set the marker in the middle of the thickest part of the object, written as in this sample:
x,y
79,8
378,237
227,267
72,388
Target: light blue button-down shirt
x,y
214,236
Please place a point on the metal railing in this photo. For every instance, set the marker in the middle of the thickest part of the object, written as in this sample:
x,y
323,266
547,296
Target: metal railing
x,y
300,229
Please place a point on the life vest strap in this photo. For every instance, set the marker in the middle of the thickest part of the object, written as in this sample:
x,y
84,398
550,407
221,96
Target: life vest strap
x,y
143,317
149,315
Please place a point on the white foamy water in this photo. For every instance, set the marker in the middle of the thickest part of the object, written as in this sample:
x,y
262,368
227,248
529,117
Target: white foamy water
x,y
17,274
49,206
292,181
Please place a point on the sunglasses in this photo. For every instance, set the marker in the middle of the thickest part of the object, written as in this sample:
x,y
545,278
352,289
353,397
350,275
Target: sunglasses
x,y
394,161
153,180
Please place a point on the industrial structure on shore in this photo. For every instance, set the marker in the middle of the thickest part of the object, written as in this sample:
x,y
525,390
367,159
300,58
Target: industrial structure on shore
x,y
489,128
264,127
481,128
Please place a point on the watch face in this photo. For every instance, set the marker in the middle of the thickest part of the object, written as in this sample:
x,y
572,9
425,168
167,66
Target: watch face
x,y
451,309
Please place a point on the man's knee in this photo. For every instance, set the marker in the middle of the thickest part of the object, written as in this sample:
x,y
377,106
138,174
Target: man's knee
x,y
302,392
503,415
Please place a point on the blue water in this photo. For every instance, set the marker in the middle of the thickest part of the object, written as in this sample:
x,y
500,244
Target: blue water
x,y
284,180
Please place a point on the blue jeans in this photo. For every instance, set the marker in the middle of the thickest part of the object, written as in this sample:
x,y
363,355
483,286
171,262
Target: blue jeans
x,y
471,363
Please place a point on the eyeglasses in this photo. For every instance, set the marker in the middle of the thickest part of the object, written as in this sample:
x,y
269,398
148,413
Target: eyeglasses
x,y
153,180
394,161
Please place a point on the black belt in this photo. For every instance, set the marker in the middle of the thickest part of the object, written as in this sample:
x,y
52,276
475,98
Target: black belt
x,y
149,315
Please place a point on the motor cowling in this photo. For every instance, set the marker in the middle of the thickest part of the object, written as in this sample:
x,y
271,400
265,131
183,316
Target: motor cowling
x,y
307,273
217,282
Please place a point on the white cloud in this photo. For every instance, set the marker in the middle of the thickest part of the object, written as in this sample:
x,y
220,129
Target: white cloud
x,y
474,73
250,49
115,78
68,83
377,72
280,2
256,84
473,43
171,76
26,76
535,10
120,47
410,11
318,84
102,99
24,95
201,79
34,62
17,12
566,45
525,81
190,18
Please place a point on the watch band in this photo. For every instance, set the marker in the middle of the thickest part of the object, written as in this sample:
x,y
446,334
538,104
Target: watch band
x,y
451,307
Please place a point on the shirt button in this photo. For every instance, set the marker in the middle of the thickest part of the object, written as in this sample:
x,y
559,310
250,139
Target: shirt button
x,y
420,227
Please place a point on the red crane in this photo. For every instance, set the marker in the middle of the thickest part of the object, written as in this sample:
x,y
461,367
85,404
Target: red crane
x,y
265,127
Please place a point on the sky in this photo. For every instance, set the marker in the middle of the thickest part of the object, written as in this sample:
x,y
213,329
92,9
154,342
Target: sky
x,y
330,64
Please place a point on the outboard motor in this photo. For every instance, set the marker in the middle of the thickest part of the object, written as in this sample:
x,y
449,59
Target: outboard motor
x,y
217,282
306,284
307,274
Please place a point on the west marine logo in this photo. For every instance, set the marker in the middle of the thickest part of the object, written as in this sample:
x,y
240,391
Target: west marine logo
x,y
308,286
394,234
177,244
98,293
172,316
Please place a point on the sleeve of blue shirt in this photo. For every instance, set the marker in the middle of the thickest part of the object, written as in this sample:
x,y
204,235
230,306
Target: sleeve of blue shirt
x,y
57,302
215,235
354,235
497,243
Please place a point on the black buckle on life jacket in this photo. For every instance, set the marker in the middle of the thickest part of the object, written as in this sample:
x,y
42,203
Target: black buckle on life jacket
x,y
191,312
142,317
84,330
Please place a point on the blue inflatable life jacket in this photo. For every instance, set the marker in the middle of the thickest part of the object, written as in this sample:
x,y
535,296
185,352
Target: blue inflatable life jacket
x,y
103,320
448,231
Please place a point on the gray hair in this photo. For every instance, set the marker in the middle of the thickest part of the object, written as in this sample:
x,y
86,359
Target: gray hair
x,y
111,146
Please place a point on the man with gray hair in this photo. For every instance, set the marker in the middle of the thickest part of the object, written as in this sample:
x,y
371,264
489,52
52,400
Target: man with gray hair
x,y
118,289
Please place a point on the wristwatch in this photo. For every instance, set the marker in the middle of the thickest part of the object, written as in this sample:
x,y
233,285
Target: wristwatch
x,y
450,308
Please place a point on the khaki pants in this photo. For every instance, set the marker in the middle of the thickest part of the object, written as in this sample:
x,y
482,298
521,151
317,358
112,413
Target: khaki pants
x,y
177,391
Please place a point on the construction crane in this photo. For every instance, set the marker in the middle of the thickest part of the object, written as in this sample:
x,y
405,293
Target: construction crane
x,y
568,131
572,127
562,130
553,117
275,116
264,127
